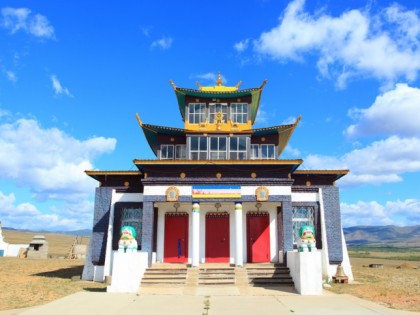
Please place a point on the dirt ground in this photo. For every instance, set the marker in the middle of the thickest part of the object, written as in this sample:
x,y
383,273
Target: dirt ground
x,y
396,285
29,282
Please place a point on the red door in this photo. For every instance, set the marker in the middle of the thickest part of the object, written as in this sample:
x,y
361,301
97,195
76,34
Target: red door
x,y
217,237
258,236
176,238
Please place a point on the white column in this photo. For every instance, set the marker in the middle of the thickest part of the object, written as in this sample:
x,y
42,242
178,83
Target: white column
x,y
239,259
195,234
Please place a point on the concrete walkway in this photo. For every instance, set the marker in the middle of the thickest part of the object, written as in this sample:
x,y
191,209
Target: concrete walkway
x,y
207,301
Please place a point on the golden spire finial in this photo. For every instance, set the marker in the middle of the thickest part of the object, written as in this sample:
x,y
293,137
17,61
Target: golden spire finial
x,y
219,79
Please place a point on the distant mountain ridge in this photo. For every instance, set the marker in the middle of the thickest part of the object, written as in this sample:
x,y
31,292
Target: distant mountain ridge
x,y
389,235
83,232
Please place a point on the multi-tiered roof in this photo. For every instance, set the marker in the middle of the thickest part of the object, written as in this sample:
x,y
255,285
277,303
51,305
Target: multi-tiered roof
x,y
219,94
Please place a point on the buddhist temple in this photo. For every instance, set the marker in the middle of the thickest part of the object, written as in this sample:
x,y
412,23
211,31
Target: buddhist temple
x,y
217,192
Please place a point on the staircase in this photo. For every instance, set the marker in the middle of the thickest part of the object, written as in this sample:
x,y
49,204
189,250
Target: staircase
x,y
216,276
165,275
268,275
252,275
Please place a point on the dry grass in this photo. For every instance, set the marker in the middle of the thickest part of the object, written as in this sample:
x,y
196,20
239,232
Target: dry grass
x,y
30,282
391,286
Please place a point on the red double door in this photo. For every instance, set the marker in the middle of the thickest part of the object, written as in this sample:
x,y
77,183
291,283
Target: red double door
x,y
176,238
217,237
258,237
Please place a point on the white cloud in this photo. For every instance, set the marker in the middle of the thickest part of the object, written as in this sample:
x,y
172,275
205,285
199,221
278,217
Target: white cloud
x,y
262,116
394,112
146,31
70,216
163,43
4,113
210,77
356,43
403,213
58,88
241,46
22,19
11,76
382,161
291,151
48,161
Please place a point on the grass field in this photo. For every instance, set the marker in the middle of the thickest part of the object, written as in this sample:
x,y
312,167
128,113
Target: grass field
x,y
387,252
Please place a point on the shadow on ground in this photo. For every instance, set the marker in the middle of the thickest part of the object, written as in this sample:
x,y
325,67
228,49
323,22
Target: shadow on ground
x,y
64,273
95,289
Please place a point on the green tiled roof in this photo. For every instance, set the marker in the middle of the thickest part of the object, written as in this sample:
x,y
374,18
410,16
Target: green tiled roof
x,y
284,133
255,93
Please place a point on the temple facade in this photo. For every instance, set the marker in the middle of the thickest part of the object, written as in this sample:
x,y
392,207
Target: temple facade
x,y
217,192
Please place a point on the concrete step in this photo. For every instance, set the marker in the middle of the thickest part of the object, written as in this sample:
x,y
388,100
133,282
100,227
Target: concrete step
x,y
163,276
272,282
216,282
269,275
157,270
157,281
216,276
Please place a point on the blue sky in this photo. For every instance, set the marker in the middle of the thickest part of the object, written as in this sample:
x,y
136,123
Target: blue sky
x,y
73,74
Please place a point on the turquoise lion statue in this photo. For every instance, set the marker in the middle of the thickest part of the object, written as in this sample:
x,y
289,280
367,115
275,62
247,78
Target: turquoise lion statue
x,y
127,242
307,242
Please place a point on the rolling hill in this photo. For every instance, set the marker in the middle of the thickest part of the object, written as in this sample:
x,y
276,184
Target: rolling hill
x,y
389,235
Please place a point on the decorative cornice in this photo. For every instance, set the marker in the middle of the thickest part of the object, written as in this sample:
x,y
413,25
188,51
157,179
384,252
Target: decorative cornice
x,y
237,181
129,173
321,172
218,162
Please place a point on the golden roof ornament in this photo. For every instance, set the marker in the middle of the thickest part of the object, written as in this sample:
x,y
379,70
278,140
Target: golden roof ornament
x,y
219,79
219,87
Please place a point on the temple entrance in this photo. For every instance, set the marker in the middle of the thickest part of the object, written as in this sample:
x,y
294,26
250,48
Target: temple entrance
x,y
217,237
258,236
176,237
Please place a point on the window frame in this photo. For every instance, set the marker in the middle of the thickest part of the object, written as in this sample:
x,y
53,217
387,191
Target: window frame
x,y
197,116
251,151
264,155
212,113
236,150
221,154
162,146
177,146
198,151
235,114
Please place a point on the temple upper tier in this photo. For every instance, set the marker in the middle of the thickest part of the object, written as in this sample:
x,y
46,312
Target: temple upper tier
x,y
218,124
